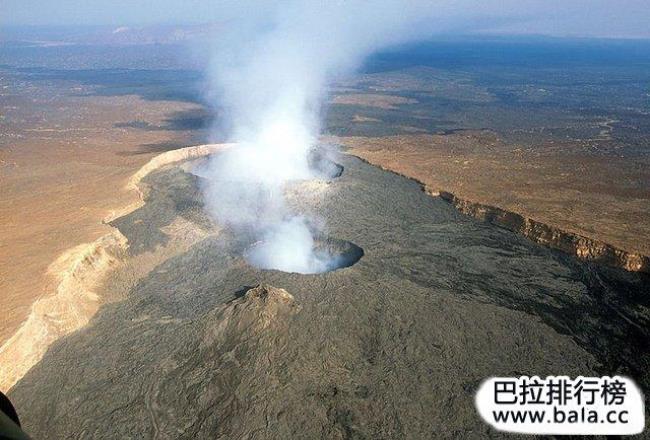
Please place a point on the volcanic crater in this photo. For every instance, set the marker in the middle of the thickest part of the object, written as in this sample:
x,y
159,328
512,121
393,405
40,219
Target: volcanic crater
x,y
328,254
439,302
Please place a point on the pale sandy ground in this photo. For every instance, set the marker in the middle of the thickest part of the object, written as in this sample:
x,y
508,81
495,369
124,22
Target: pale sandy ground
x,y
80,277
604,198
63,168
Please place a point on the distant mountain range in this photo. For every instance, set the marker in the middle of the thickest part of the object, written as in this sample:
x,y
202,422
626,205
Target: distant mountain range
x,y
105,35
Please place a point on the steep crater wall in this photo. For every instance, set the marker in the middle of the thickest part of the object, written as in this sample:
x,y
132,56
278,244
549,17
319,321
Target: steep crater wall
x,y
585,248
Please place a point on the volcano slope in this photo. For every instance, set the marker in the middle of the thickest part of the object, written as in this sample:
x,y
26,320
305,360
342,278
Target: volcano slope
x,y
393,346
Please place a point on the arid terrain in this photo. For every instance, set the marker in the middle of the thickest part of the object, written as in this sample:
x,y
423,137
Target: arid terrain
x,y
204,345
604,198
65,158
562,143
133,290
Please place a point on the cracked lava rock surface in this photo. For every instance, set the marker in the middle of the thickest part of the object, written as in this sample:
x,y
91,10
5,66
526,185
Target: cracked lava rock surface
x,y
394,346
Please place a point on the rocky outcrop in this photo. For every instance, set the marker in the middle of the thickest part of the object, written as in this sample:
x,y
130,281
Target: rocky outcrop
x,y
159,161
168,157
231,363
78,272
585,248
263,305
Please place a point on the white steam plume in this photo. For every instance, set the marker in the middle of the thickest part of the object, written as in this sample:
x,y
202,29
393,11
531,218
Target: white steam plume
x,y
270,74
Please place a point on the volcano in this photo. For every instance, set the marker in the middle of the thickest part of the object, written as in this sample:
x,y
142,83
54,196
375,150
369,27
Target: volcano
x,y
207,345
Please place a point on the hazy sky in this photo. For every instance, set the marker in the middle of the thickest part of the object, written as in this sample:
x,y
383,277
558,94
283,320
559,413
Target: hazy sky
x,y
608,18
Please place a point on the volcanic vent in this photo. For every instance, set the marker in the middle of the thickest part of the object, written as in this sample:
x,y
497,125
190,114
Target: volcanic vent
x,y
297,244
321,255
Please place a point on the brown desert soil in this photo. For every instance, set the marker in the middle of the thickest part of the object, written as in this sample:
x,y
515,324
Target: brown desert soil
x,y
64,166
602,198
83,272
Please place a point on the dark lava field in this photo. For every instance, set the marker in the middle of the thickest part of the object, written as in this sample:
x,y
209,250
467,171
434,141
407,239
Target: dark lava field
x,y
391,347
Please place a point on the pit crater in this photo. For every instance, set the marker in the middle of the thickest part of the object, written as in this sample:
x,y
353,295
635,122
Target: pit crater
x,y
327,255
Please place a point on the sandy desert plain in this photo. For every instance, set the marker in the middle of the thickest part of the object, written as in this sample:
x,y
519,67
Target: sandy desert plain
x,y
548,157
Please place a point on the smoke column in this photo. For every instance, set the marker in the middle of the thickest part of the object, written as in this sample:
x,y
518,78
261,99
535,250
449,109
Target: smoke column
x,y
269,75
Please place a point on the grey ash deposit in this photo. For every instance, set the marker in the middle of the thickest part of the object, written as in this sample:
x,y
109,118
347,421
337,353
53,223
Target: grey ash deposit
x,y
393,346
